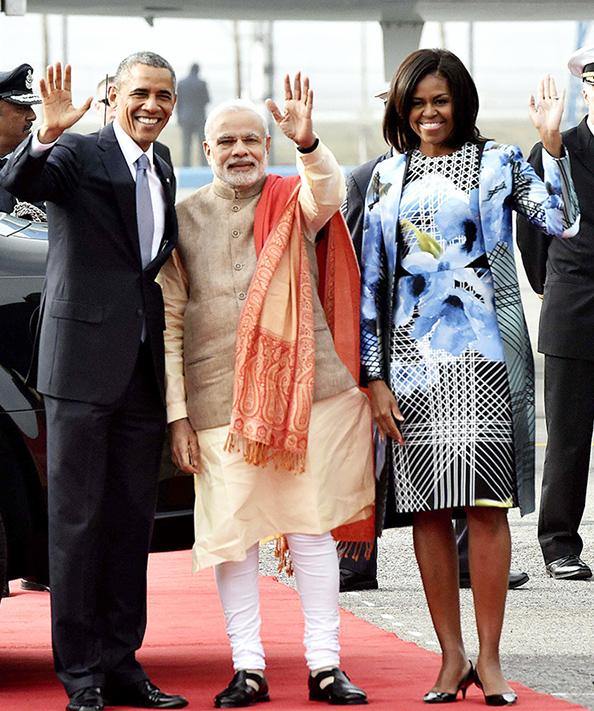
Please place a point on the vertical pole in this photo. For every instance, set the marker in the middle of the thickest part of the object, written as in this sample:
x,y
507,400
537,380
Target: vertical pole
x,y
363,99
44,41
65,39
575,108
400,38
471,48
269,71
442,36
237,45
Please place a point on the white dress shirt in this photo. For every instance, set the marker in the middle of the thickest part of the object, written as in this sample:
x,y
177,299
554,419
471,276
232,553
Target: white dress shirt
x,y
131,151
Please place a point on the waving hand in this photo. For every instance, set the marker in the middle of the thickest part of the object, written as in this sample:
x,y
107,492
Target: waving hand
x,y
295,121
59,114
546,112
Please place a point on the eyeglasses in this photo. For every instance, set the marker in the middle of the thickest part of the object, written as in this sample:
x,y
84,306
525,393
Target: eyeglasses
x,y
103,101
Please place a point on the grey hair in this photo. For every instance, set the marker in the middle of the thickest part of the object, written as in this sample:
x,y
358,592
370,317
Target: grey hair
x,y
234,105
150,59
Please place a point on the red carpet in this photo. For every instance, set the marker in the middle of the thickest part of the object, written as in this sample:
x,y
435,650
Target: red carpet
x,y
186,650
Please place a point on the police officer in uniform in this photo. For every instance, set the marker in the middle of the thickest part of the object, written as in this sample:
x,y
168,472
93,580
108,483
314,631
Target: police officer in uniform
x,y
565,270
16,118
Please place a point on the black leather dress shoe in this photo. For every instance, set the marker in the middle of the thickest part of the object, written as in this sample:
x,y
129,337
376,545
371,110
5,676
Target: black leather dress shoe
x,y
240,693
338,692
34,585
351,581
88,699
144,695
571,567
517,578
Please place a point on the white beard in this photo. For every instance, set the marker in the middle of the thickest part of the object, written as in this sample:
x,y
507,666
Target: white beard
x,y
243,179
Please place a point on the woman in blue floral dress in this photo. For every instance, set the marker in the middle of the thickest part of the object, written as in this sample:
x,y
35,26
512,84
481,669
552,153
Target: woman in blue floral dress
x,y
444,345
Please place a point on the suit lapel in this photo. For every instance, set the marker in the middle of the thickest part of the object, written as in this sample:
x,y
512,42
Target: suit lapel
x,y
122,183
166,176
585,148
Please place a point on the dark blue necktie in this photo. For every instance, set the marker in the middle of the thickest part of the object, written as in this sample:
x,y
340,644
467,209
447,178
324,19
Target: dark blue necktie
x,y
144,210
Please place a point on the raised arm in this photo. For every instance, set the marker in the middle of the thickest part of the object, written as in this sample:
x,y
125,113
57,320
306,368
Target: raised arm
x,y
322,182
546,112
551,205
59,114
533,243
37,170
295,120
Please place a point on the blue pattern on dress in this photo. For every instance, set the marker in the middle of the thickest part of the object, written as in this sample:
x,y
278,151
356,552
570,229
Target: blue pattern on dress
x,y
506,182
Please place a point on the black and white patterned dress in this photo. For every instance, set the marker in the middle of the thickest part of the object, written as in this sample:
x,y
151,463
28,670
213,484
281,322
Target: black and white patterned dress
x,y
447,366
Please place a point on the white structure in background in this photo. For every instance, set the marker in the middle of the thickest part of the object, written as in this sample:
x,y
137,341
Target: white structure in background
x,y
401,20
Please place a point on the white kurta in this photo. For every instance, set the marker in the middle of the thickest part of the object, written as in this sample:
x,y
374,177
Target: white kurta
x,y
204,288
239,504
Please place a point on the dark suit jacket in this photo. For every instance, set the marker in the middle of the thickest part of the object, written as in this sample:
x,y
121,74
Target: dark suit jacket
x,y
567,315
7,201
354,206
163,152
192,98
97,295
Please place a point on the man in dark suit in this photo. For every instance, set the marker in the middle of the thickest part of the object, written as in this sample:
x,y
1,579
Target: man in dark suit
x,y
360,573
111,227
566,337
192,99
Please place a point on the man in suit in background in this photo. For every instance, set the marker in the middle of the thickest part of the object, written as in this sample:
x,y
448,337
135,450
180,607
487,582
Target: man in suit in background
x,y
566,337
112,225
192,100
103,109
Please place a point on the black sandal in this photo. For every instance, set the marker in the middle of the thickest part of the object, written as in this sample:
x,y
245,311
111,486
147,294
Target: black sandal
x,y
239,693
339,692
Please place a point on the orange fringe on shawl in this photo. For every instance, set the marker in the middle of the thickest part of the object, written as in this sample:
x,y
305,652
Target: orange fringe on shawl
x,y
275,350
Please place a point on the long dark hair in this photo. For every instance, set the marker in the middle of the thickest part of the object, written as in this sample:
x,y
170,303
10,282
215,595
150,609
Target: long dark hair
x,y
414,68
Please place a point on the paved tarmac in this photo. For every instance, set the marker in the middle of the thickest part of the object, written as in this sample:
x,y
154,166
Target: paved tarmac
x,y
548,639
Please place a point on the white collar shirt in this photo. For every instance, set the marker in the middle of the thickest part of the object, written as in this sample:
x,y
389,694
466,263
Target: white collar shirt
x,y
590,124
132,151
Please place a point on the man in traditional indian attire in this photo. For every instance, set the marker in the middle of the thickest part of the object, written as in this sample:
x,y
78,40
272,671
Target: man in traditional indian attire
x,y
262,366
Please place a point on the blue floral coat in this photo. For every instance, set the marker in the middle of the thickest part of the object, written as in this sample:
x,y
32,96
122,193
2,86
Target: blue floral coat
x,y
506,182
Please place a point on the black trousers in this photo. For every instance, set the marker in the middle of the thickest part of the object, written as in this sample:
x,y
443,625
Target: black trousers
x,y
193,151
103,464
569,412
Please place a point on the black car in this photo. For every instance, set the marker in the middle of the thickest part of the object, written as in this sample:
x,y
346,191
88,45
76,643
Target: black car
x,y
23,479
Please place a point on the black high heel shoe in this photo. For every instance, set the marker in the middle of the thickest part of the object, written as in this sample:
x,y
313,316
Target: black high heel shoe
x,y
447,697
506,699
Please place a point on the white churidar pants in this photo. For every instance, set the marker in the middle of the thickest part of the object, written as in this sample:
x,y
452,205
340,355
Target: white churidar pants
x,y
315,562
